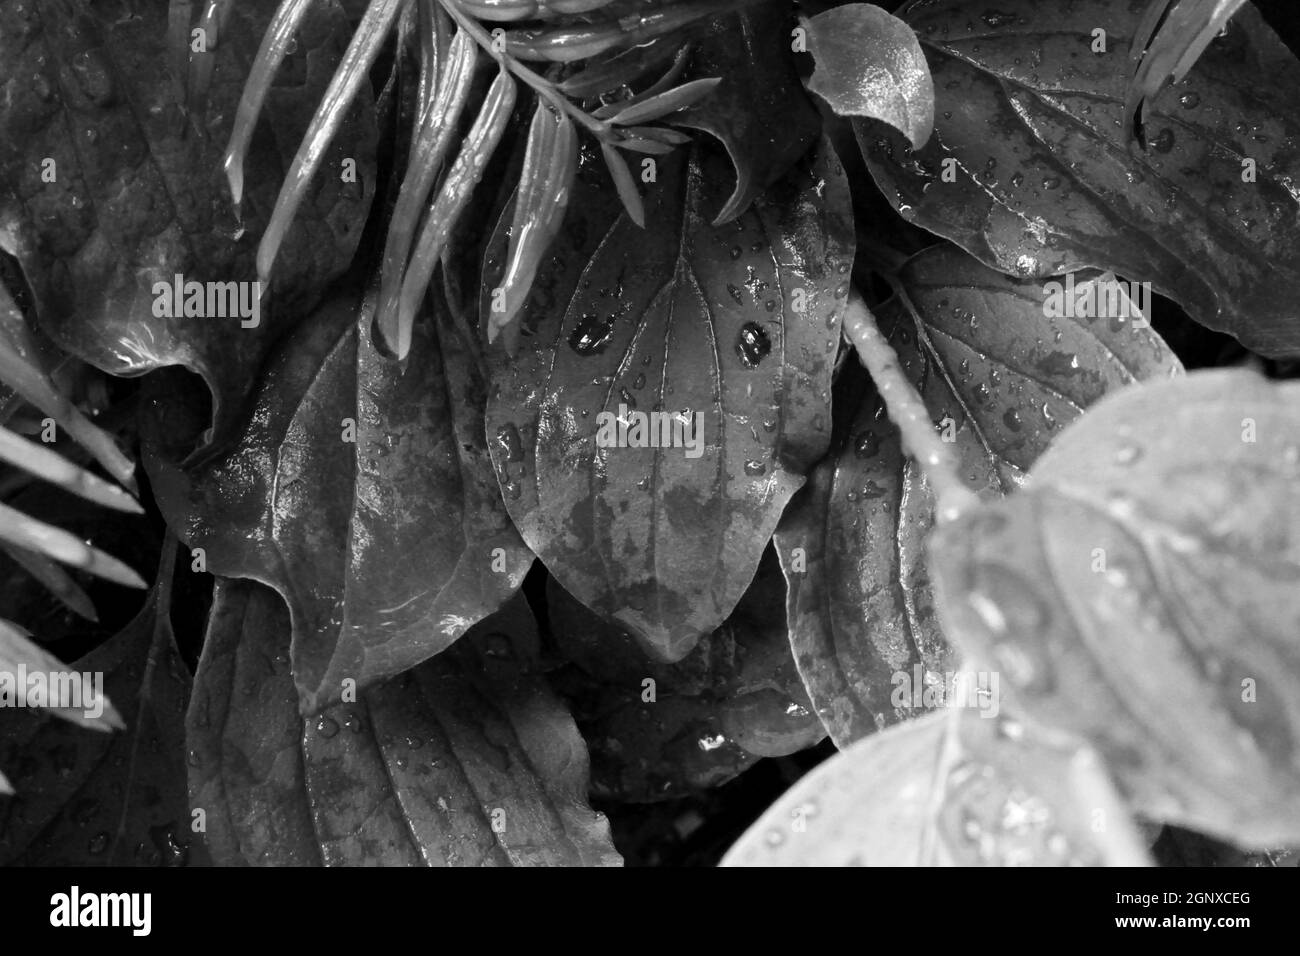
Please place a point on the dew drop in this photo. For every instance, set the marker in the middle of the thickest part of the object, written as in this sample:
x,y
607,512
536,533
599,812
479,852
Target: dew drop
x,y
327,727
511,445
754,467
592,335
1128,454
752,344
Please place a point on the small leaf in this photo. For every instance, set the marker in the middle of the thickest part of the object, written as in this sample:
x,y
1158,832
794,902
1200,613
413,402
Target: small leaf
x,y
759,112
623,68
1000,379
1143,592
624,184
869,64
669,101
949,790
466,760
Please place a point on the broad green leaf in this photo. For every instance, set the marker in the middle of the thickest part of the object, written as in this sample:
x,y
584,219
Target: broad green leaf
x,y
699,324
361,490
116,799
658,730
108,187
1000,379
759,111
939,792
1143,592
869,64
466,760
1032,170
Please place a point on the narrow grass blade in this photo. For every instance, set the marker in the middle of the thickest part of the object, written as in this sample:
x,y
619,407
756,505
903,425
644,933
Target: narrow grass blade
x,y
464,175
568,45
669,101
437,130
622,69
351,73
57,581
275,44
550,160
23,531
500,11
624,183
49,465
18,370
180,13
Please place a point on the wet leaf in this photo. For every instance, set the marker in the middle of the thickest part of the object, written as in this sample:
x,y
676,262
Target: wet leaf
x,y
114,799
1030,130
659,730
1171,37
1144,592
697,323
466,760
136,194
550,160
361,490
759,111
869,64
995,795
1001,379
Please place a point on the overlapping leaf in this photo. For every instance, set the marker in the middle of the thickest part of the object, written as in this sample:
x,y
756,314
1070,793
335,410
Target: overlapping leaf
x,y
115,799
1001,379
914,795
387,545
657,730
108,186
1144,593
1042,179
759,111
466,760
696,322
869,64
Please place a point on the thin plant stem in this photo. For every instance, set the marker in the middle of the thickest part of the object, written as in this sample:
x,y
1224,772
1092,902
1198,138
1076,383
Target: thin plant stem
x,y
907,410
